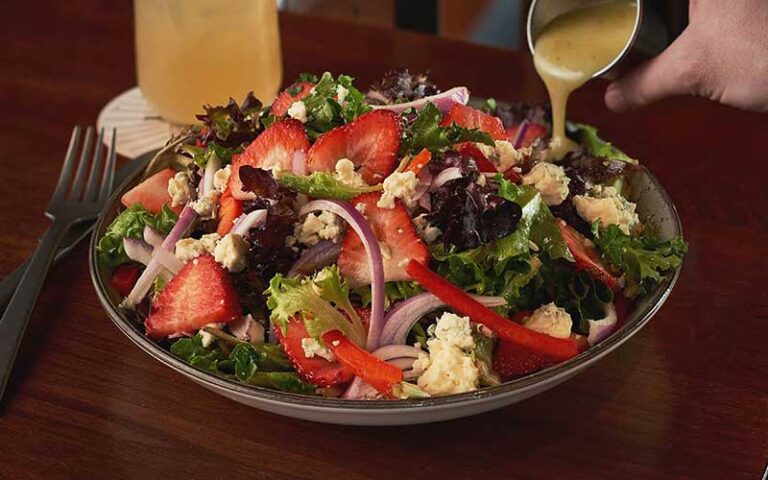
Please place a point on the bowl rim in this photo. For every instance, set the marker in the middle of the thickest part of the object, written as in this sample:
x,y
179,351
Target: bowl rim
x,y
635,321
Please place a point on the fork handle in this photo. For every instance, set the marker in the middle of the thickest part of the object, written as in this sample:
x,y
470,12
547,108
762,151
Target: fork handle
x,y
14,321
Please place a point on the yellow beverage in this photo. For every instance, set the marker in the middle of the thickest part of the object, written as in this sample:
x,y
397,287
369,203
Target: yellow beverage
x,y
195,52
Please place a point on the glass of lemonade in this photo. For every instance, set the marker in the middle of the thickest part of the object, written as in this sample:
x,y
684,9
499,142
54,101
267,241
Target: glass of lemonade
x,y
195,52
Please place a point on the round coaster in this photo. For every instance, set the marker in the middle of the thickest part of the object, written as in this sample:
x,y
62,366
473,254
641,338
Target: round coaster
x,y
139,128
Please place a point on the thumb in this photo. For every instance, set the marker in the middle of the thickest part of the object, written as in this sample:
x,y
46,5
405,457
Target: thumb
x,y
666,75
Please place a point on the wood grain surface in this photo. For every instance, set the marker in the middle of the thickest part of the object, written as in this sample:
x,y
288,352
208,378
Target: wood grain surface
x,y
685,398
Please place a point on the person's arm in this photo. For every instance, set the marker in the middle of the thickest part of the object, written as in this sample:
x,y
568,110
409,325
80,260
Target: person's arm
x,y
722,55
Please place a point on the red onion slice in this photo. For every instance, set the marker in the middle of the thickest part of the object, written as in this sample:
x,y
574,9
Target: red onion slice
x,y
400,320
153,237
144,283
425,181
253,219
168,260
520,135
450,173
600,329
443,101
401,356
358,223
137,250
324,253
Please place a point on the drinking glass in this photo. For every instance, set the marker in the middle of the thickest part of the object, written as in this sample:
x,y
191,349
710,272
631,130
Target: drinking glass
x,y
195,52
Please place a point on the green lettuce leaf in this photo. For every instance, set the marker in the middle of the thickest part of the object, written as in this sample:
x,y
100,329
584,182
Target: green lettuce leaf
x,y
191,350
201,155
426,132
645,260
317,304
599,147
322,185
130,224
393,292
283,381
324,112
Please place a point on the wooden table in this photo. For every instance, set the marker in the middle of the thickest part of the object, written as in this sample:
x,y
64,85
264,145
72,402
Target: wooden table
x,y
685,398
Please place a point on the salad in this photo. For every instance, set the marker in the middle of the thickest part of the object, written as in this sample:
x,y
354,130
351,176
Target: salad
x,y
389,244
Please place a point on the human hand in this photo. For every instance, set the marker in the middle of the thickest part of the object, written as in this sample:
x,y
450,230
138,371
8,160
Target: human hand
x,y
722,55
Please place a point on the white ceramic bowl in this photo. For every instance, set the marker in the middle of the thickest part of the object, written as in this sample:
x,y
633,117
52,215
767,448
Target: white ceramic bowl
x,y
653,203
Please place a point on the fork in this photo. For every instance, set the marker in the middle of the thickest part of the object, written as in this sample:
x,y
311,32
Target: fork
x,y
69,205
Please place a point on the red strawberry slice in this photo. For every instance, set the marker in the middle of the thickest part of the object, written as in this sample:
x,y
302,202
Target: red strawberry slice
x,y
397,237
469,117
275,147
316,370
284,99
532,132
586,256
371,142
152,193
124,278
201,293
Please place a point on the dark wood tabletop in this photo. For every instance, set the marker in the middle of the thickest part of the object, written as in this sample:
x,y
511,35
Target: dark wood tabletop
x,y
685,398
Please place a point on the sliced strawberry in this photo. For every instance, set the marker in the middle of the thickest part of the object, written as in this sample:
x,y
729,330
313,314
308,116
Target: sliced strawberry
x,y
201,293
124,278
371,142
469,149
316,370
512,361
586,256
229,209
397,238
284,99
532,132
469,117
152,193
275,147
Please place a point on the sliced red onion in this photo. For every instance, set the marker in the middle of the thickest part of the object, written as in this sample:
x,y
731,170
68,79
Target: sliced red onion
x,y
376,95
214,163
443,101
153,237
400,320
144,283
324,253
137,250
299,163
391,352
425,180
450,173
520,135
253,219
358,223
168,260
600,329
248,329
425,202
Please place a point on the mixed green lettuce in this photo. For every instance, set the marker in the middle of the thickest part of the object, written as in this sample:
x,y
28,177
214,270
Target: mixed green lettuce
x,y
426,132
322,185
130,224
598,147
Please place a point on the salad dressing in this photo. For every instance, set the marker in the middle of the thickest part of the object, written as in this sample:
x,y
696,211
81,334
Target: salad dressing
x,y
572,48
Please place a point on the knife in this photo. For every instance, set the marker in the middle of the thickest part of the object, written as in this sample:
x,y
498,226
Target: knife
x,y
74,235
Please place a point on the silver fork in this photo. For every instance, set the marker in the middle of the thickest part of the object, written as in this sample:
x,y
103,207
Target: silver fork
x,y
67,207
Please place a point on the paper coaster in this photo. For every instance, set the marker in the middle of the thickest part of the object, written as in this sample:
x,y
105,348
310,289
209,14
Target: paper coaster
x,y
139,128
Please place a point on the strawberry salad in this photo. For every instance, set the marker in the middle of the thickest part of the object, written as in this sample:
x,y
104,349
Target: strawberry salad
x,y
395,243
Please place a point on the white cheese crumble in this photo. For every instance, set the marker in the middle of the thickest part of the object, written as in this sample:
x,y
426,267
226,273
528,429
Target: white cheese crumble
x,y
550,180
316,227
188,249
206,206
425,230
180,189
400,185
502,154
551,320
232,252
346,174
314,348
206,338
606,205
341,94
298,111
221,178
449,368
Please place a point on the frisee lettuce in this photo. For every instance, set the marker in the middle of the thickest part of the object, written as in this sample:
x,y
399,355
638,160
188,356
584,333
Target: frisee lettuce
x,y
130,224
598,147
645,260
317,301
426,132
324,112
323,185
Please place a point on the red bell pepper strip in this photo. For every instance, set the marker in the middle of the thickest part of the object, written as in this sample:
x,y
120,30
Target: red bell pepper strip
x,y
375,372
586,256
469,149
557,349
417,164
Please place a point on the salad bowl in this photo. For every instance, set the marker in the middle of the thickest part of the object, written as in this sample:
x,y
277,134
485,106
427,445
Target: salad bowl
x,y
653,203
